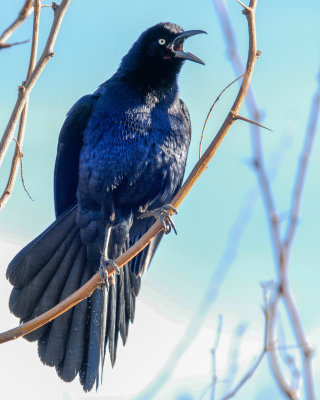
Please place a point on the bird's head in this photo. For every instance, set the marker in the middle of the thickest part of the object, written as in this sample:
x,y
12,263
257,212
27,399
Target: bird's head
x,y
158,54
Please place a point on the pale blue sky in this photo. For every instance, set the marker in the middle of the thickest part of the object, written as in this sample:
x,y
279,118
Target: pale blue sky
x,y
93,38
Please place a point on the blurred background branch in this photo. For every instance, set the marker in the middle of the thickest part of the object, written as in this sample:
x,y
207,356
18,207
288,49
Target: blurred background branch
x,y
281,246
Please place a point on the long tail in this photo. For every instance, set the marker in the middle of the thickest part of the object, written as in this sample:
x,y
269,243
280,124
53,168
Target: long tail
x,y
48,270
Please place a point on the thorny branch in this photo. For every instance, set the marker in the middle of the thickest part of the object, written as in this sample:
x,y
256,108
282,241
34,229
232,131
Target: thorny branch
x,y
281,246
27,86
87,289
216,280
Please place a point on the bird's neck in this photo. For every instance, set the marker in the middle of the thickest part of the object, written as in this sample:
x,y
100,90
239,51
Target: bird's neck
x,y
148,79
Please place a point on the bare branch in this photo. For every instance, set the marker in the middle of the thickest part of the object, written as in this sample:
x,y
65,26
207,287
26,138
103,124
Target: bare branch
x,y
87,289
27,87
24,13
22,124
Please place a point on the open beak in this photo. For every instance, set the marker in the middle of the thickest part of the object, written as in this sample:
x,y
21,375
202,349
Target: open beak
x,y
177,46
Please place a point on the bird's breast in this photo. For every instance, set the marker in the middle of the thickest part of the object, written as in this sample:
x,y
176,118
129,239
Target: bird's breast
x,y
140,156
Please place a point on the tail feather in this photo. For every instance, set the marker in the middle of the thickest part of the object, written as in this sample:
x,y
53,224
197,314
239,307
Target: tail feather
x,y
121,304
90,366
76,343
23,301
111,321
127,292
54,289
135,263
118,316
133,307
51,268
135,282
56,340
24,267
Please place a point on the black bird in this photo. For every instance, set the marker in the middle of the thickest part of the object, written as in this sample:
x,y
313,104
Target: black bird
x,y
121,158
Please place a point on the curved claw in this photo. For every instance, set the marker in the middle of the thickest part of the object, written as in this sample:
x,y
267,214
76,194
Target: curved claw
x,y
163,216
170,207
107,261
168,220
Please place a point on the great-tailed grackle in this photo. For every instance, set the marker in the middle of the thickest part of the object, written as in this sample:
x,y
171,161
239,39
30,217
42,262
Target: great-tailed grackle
x,y
121,155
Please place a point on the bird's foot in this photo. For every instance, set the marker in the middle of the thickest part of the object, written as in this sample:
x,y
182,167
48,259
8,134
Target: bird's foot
x,y
103,271
162,215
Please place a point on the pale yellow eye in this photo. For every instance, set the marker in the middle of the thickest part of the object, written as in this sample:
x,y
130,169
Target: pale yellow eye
x,y
162,41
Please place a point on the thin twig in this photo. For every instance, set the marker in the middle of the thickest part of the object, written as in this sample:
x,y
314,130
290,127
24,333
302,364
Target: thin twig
x,y
8,45
21,169
265,348
211,109
87,289
24,13
23,118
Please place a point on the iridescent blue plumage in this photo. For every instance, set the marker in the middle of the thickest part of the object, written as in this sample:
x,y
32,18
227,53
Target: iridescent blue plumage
x,y
122,151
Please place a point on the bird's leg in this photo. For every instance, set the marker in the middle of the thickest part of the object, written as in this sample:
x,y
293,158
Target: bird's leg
x,y
105,261
163,216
